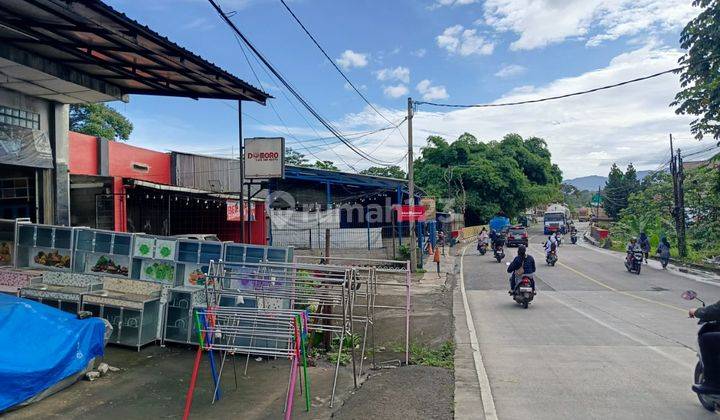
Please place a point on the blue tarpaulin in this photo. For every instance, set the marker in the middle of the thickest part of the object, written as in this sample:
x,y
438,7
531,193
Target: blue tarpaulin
x,y
498,222
40,346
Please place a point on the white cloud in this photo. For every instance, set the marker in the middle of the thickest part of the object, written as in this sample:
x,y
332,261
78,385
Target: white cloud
x,y
443,3
430,92
585,134
199,24
348,87
396,91
420,53
458,40
542,22
511,70
399,73
349,59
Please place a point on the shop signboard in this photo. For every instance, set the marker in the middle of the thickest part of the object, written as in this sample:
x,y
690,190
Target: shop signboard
x,y
406,213
264,158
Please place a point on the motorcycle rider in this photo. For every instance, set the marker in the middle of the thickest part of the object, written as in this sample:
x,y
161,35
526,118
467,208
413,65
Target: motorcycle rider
x,y
644,243
558,238
482,238
709,348
632,248
550,245
527,263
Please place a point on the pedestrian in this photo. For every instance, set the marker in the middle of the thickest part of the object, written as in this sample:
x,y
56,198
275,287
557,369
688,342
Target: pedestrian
x,y
645,245
663,251
436,258
441,240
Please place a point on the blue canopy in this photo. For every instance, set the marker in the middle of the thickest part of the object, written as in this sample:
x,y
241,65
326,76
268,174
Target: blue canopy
x,y
40,346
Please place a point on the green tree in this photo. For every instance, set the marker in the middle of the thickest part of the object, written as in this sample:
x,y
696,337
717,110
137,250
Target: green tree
x,y
479,179
99,120
615,196
393,171
700,75
295,158
326,165
630,180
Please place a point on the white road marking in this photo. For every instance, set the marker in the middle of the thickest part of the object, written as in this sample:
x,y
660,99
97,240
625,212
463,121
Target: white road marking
x,y
485,391
624,334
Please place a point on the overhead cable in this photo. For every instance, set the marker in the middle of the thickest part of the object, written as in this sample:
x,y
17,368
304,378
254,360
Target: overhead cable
x,y
297,95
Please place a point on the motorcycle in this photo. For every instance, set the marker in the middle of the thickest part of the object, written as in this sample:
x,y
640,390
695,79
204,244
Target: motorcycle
x,y
482,248
551,258
498,253
710,401
633,262
573,238
523,293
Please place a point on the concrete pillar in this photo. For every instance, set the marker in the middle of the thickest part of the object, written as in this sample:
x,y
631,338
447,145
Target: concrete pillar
x,y
60,126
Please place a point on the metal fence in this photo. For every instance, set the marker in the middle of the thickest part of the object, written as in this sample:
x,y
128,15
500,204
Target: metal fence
x,y
315,238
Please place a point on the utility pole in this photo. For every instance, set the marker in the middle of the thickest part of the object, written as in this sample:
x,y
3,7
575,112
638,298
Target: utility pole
x,y
678,211
242,174
411,188
682,245
597,208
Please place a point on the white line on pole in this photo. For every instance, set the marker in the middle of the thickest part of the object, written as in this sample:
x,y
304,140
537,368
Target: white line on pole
x,y
485,391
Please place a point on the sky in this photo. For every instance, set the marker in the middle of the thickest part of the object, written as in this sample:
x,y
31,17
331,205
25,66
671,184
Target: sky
x,y
444,51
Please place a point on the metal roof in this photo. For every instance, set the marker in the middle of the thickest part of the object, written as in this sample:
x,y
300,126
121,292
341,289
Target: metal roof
x,y
344,178
106,49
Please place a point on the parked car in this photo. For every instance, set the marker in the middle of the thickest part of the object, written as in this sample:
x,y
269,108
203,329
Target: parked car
x,y
516,236
199,237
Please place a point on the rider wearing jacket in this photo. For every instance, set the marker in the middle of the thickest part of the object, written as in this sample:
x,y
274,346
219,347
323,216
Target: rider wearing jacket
x,y
527,262
709,346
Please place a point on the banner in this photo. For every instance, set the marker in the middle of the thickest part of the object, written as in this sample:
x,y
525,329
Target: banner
x,y
233,211
25,147
264,157
430,208
406,213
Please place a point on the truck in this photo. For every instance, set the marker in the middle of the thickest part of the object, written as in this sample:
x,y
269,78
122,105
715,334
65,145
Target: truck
x,y
555,219
583,214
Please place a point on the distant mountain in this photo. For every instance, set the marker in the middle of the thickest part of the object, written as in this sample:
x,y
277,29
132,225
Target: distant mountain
x,y
592,182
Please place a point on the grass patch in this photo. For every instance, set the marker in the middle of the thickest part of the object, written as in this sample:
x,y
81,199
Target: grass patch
x,y
441,357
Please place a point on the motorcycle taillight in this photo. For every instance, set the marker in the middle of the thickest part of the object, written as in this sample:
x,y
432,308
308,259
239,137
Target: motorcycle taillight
x,y
525,281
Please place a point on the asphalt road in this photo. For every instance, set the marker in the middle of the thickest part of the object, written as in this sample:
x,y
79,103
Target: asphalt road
x,y
597,342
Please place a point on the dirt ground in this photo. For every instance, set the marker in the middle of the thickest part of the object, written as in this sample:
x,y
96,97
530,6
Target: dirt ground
x,y
152,383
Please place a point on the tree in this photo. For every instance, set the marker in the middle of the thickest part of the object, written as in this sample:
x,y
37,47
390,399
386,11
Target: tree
x,y
295,158
389,171
480,179
630,180
99,120
700,75
326,165
615,196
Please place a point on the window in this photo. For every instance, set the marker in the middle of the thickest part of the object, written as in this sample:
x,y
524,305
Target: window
x,y
14,188
20,118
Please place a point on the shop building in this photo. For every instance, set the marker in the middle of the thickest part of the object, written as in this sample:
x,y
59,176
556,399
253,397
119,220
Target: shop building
x,y
54,53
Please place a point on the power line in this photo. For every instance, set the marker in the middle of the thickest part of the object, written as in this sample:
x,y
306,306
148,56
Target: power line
x,y
344,76
295,93
552,98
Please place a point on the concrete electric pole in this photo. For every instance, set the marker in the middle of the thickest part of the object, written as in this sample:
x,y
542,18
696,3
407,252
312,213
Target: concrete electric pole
x,y
411,188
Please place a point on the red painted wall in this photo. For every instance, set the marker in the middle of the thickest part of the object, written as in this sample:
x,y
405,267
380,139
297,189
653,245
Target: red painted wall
x,y
126,160
83,154
230,231
130,162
